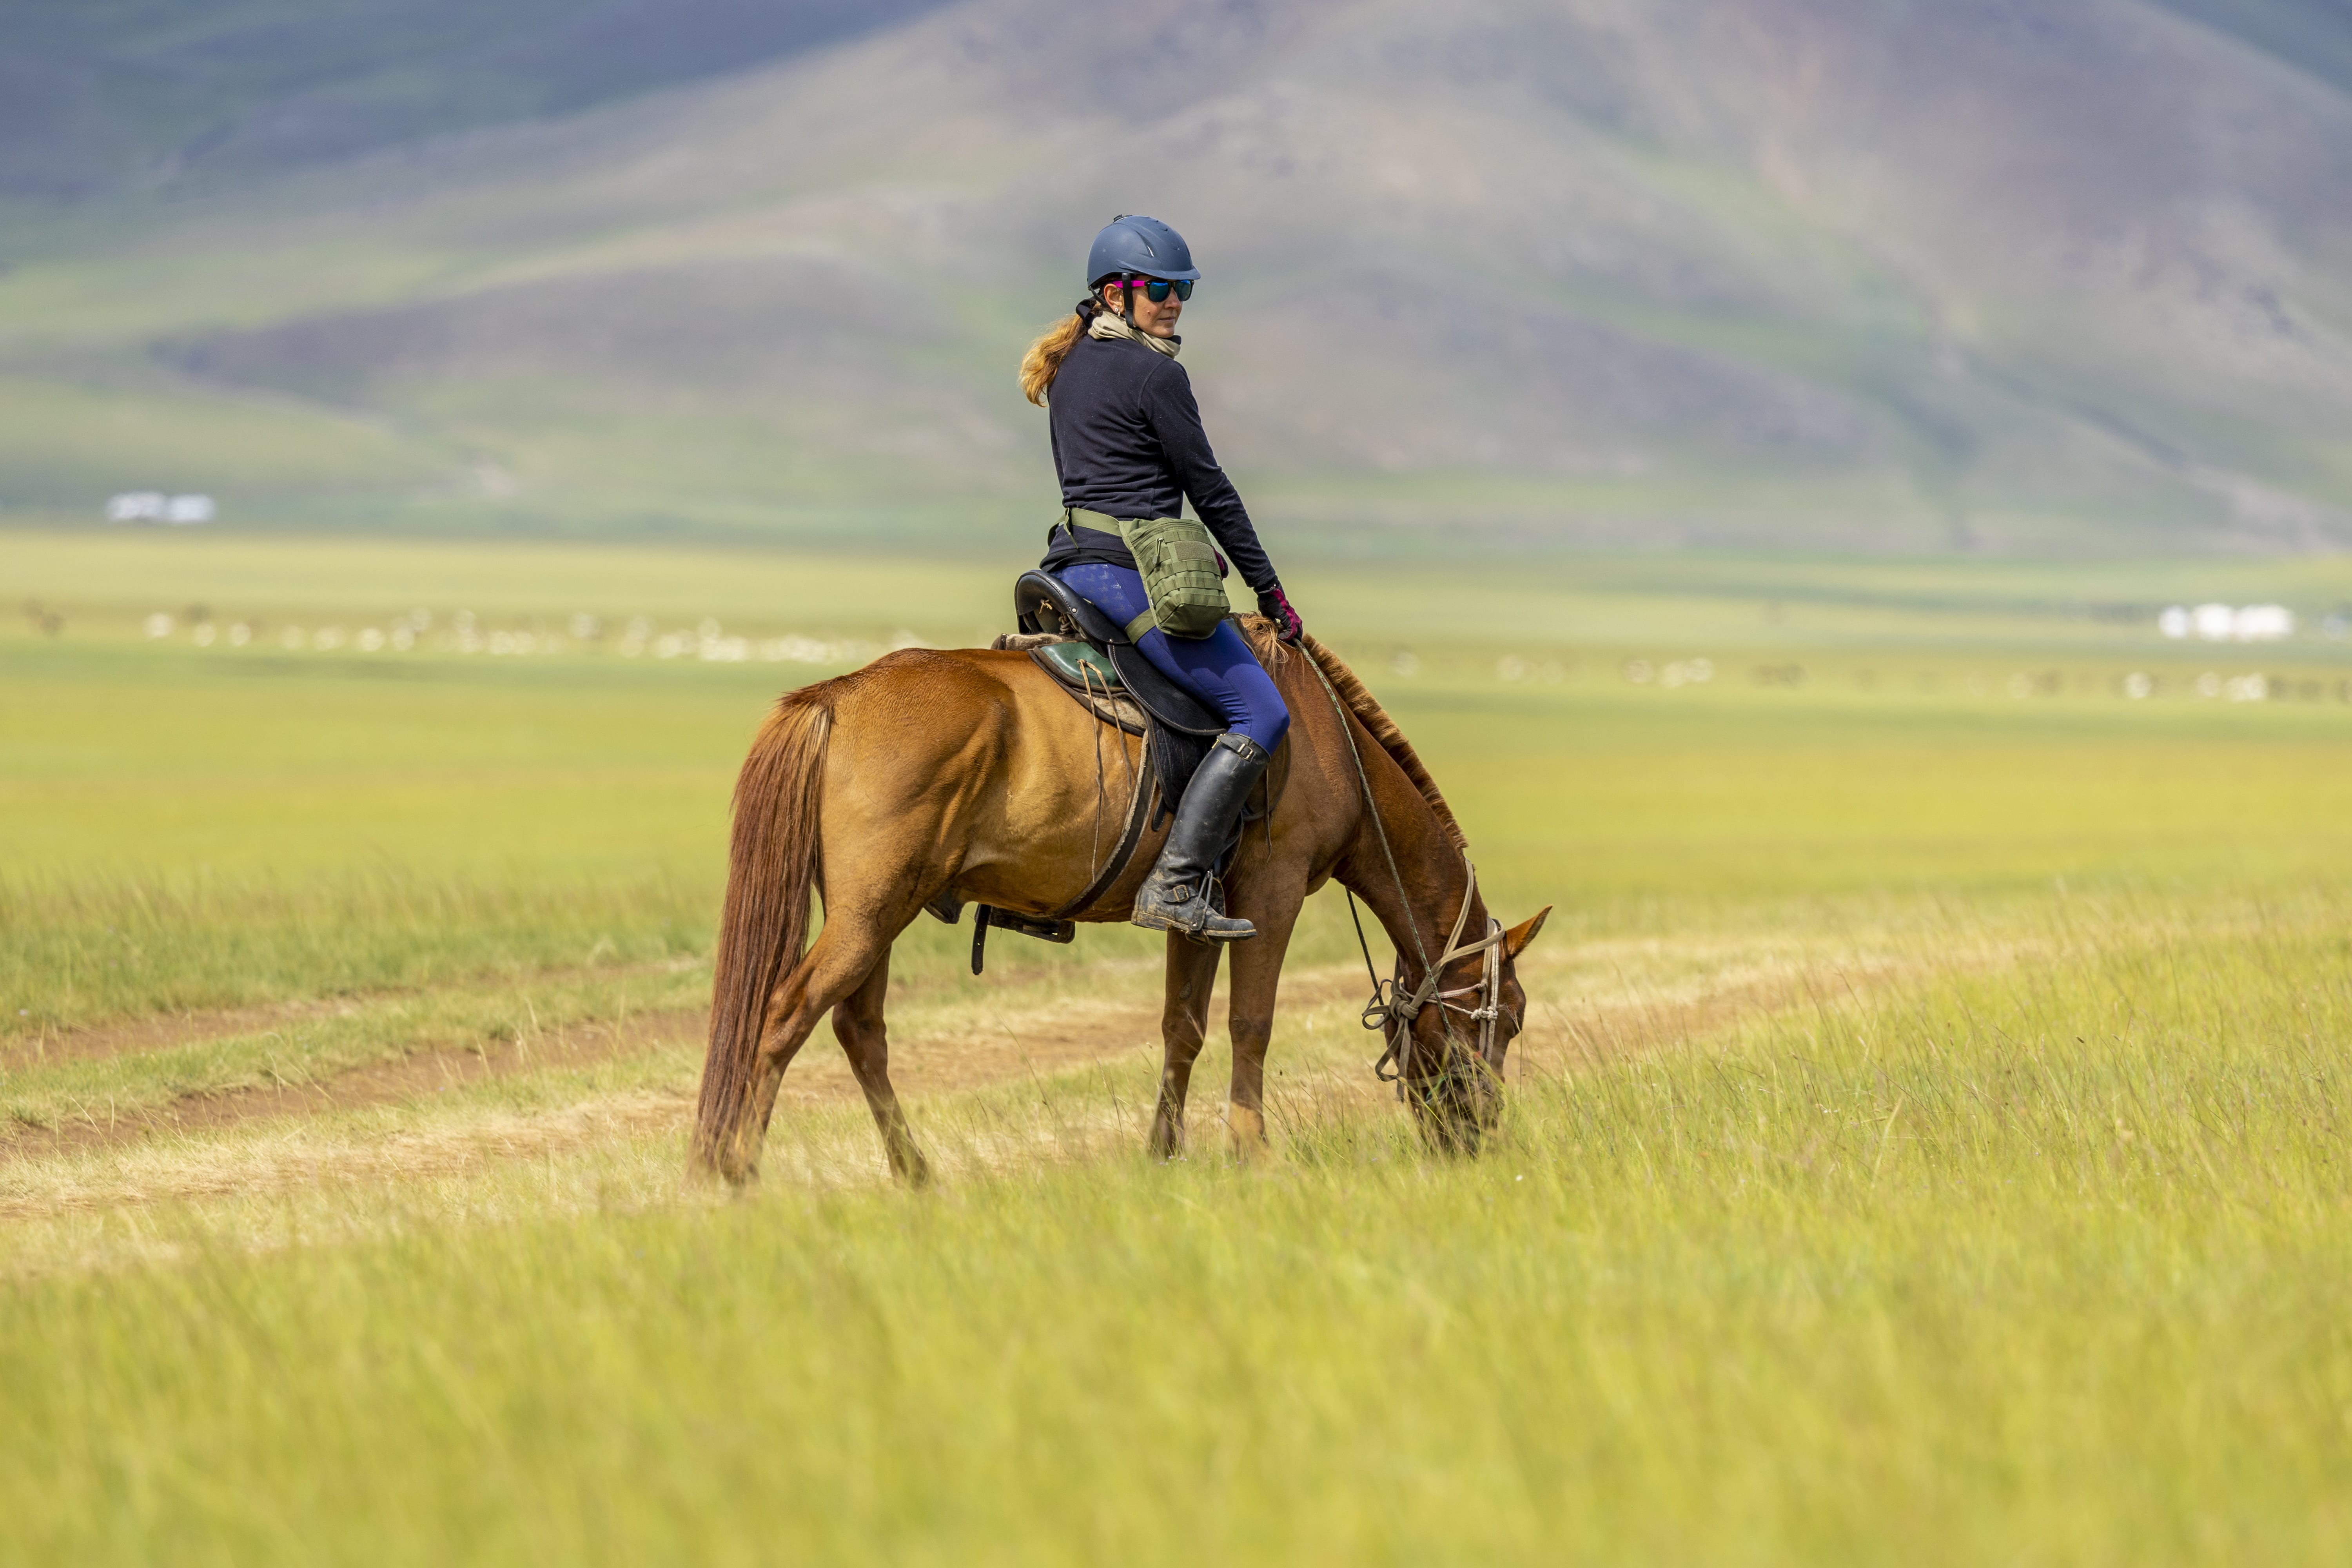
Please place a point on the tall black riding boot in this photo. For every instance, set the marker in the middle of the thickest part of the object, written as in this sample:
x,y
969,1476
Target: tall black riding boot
x,y
1175,897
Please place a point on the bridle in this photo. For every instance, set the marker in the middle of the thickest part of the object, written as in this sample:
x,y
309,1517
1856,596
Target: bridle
x,y
1391,1009
1393,1014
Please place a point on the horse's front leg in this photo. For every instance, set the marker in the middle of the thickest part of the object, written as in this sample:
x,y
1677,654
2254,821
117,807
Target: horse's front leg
x,y
1270,903
1183,1025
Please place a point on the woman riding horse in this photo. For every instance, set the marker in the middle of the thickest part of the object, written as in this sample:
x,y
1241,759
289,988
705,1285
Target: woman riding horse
x,y
932,778
1129,448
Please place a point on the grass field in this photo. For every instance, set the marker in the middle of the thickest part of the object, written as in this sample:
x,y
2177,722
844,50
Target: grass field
x,y
1928,1144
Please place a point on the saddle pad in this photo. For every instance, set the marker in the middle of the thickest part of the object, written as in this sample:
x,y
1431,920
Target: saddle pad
x,y
1078,663
1111,707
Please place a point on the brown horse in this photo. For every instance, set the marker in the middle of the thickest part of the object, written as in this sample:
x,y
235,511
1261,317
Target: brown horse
x,y
970,772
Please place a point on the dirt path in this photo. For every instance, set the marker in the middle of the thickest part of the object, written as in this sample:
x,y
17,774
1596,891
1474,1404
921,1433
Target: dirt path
x,y
163,1032
1597,1002
1036,1040
414,1077
167,1031
1571,1021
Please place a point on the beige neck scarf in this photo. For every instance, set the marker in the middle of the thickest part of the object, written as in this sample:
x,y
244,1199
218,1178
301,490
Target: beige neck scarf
x,y
1106,325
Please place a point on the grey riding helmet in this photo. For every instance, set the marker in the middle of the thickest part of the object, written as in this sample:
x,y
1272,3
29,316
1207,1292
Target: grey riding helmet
x,y
1132,244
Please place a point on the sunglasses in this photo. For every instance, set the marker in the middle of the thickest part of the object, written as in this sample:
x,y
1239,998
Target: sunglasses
x,y
1157,289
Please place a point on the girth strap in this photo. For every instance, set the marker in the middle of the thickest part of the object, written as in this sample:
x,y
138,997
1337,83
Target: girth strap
x,y
1139,812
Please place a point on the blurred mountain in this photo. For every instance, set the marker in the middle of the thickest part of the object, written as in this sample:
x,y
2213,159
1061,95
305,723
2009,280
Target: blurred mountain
x,y
2026,275
101,94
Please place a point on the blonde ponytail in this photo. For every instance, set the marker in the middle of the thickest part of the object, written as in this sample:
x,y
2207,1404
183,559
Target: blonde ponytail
x,y
1043,360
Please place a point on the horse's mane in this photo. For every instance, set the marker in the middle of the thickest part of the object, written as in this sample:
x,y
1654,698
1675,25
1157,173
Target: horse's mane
x,y
1365,707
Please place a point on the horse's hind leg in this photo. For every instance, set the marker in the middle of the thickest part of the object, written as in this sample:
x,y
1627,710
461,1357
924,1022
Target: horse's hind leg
x,y
858,1024
1183,1024
845,953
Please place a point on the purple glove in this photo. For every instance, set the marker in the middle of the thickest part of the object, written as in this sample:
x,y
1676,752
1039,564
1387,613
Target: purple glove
x,y
1275,606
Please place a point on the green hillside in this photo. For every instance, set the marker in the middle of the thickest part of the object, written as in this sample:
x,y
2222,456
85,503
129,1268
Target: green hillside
x,y
1515,274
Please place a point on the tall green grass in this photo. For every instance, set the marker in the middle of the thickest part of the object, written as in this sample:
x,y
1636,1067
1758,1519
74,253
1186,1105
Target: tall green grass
x,y
2040,1267
85,952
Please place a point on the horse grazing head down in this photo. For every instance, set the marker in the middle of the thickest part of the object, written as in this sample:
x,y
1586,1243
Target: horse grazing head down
x,y
1453,1073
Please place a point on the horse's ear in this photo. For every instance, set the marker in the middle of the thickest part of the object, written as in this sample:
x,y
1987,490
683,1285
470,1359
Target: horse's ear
x,y
1515,940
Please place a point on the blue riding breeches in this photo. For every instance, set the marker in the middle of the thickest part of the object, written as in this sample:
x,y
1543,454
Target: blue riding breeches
x,y
1219,668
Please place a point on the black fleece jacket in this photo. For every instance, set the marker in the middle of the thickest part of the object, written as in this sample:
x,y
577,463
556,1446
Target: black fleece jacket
x,y
1127,442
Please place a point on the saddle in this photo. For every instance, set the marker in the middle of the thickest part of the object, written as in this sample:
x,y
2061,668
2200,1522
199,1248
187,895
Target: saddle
x,y
1045,606
1092,658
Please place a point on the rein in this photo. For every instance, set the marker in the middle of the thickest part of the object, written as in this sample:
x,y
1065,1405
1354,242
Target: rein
x,y
1388,1011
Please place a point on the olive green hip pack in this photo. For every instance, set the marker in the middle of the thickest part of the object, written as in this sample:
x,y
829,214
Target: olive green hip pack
x,y
1178,565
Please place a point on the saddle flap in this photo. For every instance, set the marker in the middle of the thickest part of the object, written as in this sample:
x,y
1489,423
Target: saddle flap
x,y
1168,702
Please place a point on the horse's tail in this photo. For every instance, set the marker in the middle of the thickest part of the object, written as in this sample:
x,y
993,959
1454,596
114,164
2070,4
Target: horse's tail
x,y
770,869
